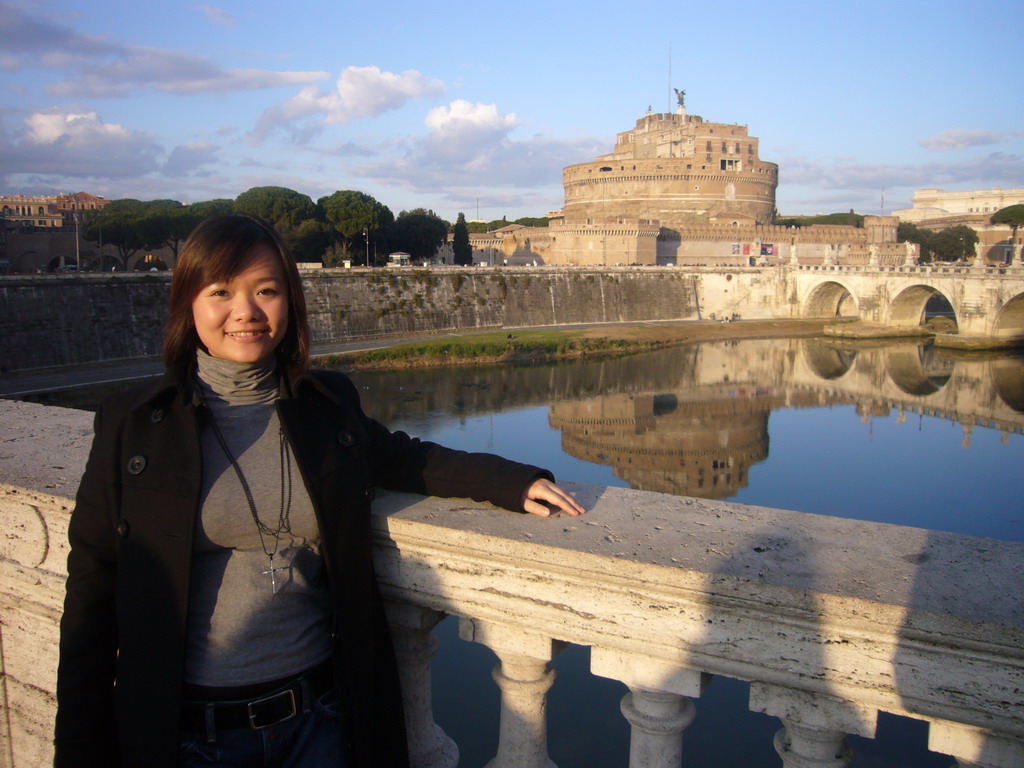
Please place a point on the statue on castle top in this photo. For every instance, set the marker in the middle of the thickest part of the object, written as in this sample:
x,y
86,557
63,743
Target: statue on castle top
x,y
680,97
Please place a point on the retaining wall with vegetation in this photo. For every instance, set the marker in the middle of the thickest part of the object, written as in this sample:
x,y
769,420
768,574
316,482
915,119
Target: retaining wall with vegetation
x,y
51,320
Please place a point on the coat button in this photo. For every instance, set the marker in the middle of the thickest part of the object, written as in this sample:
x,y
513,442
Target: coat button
x,y
136,464
370,493
157,415
122,528
346,439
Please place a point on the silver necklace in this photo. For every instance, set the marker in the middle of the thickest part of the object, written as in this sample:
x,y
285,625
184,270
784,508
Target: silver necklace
x,y
283,517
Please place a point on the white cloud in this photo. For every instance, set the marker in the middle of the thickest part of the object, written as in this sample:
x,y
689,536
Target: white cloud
x,y
467,133
359,92
217,15
993,169
962,139
187,159
173,72
28,40
76,144
468,148
102,68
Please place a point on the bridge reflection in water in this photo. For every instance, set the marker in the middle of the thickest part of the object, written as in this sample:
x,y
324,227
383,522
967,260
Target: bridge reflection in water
x,y
832,622
693,421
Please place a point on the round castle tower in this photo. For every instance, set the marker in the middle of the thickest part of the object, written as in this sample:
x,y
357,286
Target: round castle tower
x,y
678,170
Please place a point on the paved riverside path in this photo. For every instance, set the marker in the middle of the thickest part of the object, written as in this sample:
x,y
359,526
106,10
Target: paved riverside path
x,y
40,381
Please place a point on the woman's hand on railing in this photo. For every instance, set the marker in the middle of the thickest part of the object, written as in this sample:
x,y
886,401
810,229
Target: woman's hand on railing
x,y
542,495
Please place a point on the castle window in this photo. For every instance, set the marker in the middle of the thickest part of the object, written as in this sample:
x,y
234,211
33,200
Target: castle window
x,y
730,165
605,169
709,146
724,147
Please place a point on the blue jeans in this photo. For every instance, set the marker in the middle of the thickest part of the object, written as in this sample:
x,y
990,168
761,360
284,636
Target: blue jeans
x,y
311,739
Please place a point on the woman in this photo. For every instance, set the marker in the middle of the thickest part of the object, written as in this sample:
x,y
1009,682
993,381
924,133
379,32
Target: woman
x,y
221,604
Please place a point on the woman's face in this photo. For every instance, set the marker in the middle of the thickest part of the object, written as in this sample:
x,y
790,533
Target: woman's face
x,y
245,318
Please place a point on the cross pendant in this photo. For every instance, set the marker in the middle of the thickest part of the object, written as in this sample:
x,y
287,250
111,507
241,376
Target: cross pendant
x,y
272,572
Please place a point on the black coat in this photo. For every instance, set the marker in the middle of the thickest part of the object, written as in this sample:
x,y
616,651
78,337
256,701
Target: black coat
x,y
122,640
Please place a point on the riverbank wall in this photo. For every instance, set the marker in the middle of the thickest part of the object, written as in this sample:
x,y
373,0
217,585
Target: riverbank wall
x,y
49,321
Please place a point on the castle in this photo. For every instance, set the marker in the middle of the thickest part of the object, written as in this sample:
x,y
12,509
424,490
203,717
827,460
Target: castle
x,y
679,191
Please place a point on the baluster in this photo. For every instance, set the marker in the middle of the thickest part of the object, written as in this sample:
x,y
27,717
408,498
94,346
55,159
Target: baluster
x,y
657,707
657,723
801,747
524,675
815,725
415,646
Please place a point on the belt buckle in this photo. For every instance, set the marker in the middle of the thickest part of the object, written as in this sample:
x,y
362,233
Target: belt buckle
x,y
263,711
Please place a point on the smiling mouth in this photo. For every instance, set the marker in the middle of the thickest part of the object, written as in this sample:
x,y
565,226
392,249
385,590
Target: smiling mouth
x,y
246,334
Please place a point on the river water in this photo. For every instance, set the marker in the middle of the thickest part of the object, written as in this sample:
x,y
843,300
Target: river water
x,y
898,433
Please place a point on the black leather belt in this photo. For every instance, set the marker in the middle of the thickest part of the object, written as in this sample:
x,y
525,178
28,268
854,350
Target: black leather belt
x,y
277,705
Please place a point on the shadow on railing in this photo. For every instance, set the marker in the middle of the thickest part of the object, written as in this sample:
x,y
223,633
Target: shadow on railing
x,y
831,621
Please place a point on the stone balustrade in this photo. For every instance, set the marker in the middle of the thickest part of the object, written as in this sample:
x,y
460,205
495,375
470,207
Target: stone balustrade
x,y
832,621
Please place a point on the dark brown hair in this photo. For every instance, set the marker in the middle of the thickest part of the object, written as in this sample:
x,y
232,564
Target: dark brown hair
x,y
218,249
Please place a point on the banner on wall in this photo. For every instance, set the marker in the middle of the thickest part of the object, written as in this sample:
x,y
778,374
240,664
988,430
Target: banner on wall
x,y
735,249
746,249
767,249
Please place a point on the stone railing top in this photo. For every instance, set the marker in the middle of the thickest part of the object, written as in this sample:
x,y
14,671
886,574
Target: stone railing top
x,y
906,620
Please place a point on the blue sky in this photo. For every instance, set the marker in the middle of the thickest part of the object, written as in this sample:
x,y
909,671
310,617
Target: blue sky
x,y
477,107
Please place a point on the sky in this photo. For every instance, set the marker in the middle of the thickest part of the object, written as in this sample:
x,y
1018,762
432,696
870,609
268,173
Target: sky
x,y
477,107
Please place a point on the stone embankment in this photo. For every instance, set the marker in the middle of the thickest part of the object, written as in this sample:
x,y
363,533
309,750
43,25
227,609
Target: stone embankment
x,y
51,321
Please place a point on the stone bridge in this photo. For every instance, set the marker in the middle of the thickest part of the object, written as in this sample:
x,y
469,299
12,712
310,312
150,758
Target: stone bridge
x,y
987,302
831,621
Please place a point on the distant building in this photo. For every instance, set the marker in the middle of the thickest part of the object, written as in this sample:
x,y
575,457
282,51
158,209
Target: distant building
x,y
678,191
937,209
678,170
46,212
38,233
931,203
22,212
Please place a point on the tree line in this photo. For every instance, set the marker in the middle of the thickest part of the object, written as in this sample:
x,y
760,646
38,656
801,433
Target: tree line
x,y
344,226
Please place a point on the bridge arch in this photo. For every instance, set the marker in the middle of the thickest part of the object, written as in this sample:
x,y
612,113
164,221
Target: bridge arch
x,y
907,308
828,362
917,370
1008,384
1009,323
830,299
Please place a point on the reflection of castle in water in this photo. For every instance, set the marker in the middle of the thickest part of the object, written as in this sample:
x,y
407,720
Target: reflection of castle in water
x,y
662,443
702,436
694,420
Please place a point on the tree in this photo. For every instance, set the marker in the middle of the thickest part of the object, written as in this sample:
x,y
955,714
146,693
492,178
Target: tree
x,y
117,224
532,221
911,233
954,243
419,232
1012,215
950,244
279,206
355,218
206,208
460,242
309,240
165,223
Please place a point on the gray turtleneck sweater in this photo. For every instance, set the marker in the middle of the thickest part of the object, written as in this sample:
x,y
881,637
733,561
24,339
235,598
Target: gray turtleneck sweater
x,y
239,631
